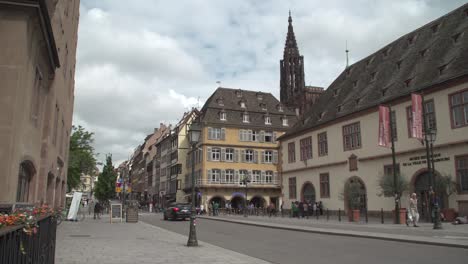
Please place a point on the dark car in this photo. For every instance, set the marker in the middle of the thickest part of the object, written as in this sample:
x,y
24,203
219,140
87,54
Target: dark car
x,y
177,211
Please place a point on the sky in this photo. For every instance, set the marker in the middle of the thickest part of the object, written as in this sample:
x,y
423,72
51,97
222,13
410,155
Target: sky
x,y
141,63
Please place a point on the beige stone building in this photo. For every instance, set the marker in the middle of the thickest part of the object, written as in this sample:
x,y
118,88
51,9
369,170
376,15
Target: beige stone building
x,y
239,132
37,73
338,141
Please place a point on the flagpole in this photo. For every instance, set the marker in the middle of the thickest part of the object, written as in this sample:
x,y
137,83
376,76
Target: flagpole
x,y
395,178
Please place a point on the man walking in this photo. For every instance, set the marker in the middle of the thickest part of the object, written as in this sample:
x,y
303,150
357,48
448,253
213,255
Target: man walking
x,y
97,210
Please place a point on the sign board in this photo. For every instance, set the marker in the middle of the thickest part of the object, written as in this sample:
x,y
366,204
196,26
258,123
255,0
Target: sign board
x,y
74,206
116,212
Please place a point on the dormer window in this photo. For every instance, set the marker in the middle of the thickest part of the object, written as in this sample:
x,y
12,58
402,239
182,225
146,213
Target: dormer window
x,y
435,28
245,118
456,37
384,91
259,96
263,106
222,116
442,69
335,92
423,52
267,120
358,100
338,108
284,120
372,76
321,115
280,108
239,93
242,104
220,101
408,82
398,64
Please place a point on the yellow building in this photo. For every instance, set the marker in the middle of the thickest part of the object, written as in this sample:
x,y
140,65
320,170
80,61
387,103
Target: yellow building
x,y
239,131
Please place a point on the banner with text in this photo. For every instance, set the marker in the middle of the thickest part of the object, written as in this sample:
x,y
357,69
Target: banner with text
x,y
416,116
384,126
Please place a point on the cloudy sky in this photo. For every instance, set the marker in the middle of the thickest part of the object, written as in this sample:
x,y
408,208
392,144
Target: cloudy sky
x,y
143,62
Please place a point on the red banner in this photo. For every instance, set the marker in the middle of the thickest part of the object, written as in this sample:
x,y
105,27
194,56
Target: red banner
x,y
384,126
416,116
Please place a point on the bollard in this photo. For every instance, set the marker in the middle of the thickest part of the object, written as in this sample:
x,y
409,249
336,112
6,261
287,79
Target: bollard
x,y
339,214
328,215
317,214
381,215
367,219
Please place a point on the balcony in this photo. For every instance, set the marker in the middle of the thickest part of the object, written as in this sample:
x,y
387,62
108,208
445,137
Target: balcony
x,y
274,183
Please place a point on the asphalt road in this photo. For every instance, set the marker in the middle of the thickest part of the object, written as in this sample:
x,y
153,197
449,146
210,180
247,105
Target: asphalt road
x,y
290,247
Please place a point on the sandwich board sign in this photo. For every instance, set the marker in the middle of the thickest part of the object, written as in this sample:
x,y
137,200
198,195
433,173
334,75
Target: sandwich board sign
x,y
116,212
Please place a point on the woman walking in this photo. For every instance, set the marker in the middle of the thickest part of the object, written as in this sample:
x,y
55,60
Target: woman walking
x,y
413,210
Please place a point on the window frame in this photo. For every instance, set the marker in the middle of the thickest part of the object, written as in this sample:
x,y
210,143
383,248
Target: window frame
x,y
305,146
267,120
457,169
322,144
324,185
292,187
245,118
269,176
462,105
249,153
222,116
269,154
229,175
229,153
292,152
215,152
353,136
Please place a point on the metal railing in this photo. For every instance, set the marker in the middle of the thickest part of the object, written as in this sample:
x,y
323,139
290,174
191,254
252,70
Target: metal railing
x,y
273,183
18,247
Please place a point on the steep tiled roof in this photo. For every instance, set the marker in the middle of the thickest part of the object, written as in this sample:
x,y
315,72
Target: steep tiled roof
x,y
432,54
229,100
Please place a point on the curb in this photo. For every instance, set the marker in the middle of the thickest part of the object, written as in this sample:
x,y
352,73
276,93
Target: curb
x,y
360,234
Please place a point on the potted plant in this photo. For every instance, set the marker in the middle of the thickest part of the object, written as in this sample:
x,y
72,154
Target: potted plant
x,y
389,189
444,187
354,192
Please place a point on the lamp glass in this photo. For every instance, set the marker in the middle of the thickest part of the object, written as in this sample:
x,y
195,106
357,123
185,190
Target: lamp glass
x,y
194,133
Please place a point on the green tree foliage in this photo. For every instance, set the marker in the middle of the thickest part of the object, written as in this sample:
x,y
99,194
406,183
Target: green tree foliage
x,y
387,185
445,185
81,158
105,187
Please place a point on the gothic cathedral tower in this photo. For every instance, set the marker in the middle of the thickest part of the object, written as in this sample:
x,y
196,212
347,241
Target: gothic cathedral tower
x,y
292,84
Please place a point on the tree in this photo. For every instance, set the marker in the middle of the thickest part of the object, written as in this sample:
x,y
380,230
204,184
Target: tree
x,y
387,185
105,187
445,185
81,159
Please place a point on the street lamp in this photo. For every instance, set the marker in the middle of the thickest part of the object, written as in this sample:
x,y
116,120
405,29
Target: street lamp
x,y
431,138
245,180
194,136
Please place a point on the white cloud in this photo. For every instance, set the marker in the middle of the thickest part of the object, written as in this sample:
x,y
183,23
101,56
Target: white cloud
x,y
143,62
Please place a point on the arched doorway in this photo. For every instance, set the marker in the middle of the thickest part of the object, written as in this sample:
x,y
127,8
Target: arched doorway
x,y
25,174
237,202
258,202
421,187
308,193
219,200
355,194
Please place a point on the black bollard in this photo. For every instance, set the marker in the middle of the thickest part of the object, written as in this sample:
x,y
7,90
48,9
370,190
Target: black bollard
x,y
328,215
339,214
367,219
317,214
381,215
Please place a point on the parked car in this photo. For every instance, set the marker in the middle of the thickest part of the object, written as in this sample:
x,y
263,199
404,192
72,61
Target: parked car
x,y
177,211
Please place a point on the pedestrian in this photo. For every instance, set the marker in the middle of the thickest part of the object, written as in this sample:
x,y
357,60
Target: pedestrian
x,y
301,210
306,210
413,210
314,209
293,209
97,210
282,209
320,207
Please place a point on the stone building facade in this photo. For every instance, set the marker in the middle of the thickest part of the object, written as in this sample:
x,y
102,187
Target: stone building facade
x,y
37,72
341,131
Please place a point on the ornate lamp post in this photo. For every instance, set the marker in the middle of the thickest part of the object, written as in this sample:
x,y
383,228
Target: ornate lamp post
x,y
245,180
194,136
431,138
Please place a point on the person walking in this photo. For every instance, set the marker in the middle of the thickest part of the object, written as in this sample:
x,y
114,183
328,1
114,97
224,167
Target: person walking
x,y
320,207
97,210
413,210
306,210
314,209
301,210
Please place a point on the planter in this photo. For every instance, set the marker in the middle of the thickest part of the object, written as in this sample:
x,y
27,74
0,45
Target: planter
x,y
402,216
449,214
356,215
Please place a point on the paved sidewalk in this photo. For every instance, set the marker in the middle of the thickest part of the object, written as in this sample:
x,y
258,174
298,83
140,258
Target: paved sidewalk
x,y
98,241
450,235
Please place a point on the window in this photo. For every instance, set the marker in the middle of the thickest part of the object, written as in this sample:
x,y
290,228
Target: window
x,y
285,121
267,120
291,152
280,108
239,93
36,99
388,170
255,136
242,104
229,154
24,180
352,161
352,136
249,155
245,135
54,139
394,125
322,144
324,185
292,188
220,101
215,133
268,177
268,156
229,176
263,106
256,176
269,136
214,175
429,110
306,148
245,118
222,116
461,164
215,154
459,108
242,175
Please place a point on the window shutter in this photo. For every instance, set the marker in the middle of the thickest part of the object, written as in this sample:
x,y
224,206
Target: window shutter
x,y
275,157
240,135
223,176
210,132
236,176
243,156
275,177
223,154
263,176
274,137
236,155
208,154
249,175
255,159
262,136
223,133
262,157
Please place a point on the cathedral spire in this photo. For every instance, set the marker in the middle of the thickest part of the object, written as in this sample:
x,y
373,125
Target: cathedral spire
x,y
290,46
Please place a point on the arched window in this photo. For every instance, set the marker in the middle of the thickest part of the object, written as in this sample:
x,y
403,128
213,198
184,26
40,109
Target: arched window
x,y
26,171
